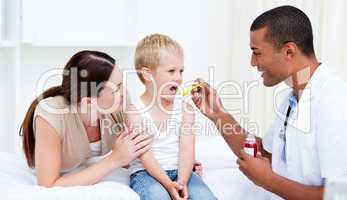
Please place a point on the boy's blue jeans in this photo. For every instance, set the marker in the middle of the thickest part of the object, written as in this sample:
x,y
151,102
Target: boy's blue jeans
x,y
148,188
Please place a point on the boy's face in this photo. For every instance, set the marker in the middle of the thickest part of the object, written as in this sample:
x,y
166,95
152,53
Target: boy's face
x,y
168,75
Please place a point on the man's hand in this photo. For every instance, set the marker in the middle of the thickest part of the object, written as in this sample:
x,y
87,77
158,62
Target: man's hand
x,y
256,169
207,100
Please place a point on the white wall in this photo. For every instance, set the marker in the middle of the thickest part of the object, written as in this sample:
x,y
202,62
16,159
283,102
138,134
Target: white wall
x,y
7,131
37,60
66,22
213,33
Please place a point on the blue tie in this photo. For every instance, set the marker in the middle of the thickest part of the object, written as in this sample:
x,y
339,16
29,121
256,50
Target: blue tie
x,y
291,107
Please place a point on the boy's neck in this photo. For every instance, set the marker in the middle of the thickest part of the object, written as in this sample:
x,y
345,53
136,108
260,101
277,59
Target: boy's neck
x,y
149,96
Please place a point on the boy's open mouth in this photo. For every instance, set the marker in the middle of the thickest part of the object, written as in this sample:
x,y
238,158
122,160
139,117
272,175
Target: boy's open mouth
x,y
173,88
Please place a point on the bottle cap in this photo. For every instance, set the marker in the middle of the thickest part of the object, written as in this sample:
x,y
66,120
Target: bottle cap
x,y
250,138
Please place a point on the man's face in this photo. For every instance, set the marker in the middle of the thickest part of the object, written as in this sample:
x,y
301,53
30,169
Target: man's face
x,y
268,60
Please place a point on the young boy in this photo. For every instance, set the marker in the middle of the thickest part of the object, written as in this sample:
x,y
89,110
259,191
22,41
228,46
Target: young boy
x,y
165,171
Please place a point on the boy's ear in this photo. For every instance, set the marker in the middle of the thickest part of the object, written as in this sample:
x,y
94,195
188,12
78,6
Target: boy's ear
x,y
146,74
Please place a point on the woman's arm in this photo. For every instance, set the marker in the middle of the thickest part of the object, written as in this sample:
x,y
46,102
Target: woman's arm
x,y
48,157
187,145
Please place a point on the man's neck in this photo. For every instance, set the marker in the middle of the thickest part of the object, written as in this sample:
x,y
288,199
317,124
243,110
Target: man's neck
x,y
303,75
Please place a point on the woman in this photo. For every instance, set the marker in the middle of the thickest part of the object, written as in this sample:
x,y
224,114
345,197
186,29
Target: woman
x,y
70,123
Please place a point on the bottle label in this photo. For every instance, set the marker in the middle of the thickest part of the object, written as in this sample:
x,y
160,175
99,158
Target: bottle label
x,y
250,151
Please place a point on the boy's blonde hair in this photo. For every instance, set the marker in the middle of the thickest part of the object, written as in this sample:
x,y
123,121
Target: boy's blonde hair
x,y
152,49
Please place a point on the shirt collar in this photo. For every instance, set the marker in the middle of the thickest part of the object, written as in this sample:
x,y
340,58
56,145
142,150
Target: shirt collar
x,y
314,83
302,119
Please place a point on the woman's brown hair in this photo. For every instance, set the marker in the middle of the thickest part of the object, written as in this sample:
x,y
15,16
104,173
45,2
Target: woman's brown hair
x,y
96,68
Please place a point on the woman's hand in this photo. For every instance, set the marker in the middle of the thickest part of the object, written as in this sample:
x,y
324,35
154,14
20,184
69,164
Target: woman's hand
x,y
130,145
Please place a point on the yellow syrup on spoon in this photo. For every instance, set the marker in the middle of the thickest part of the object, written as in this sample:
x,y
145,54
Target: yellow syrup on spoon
x,y
187,91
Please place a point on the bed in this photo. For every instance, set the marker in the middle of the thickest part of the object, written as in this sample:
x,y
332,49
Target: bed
x,y
220,173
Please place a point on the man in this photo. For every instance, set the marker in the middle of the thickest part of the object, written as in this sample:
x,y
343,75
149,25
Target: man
x,y
307,141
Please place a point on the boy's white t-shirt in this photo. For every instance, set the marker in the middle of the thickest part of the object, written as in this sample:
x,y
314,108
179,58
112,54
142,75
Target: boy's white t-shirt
x,y
165,146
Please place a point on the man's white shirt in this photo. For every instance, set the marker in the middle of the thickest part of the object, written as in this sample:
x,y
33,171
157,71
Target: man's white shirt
x,y
316,134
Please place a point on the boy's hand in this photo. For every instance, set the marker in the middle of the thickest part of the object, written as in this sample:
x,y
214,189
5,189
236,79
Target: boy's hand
x,y
174,190
183,192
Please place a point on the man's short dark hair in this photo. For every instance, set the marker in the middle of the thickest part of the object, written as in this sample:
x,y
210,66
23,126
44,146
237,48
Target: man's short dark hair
x,y
287,24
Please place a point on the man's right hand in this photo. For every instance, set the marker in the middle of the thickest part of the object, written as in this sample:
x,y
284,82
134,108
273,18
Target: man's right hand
x,y
207,100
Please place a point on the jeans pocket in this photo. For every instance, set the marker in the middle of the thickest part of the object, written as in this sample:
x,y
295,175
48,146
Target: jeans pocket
x,y
133,175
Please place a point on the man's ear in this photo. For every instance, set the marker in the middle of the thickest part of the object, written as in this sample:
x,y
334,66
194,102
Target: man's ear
x,y
291,49
146,74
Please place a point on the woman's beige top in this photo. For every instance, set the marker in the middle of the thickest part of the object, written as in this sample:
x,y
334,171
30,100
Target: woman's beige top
x,y
69,126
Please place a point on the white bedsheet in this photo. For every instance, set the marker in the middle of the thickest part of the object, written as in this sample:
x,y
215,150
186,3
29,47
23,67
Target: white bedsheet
x,y
220,173
231,184
18,182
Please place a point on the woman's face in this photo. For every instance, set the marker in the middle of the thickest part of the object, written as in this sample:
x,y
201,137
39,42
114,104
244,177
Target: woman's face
x,y
110,98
